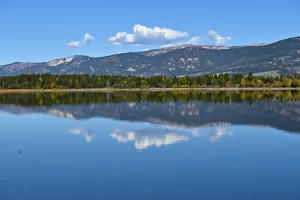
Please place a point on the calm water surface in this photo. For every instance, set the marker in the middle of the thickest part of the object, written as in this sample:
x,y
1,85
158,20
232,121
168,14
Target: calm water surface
x,y
222,145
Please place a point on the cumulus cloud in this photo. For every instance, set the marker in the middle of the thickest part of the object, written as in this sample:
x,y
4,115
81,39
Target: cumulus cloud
x,y
87,38
213,36
143,35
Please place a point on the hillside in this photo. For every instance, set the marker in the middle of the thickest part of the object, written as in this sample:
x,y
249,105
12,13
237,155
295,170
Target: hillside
x,y
282,57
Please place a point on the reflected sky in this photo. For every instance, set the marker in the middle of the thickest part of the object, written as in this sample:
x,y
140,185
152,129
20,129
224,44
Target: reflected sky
x,y
111,159
148,150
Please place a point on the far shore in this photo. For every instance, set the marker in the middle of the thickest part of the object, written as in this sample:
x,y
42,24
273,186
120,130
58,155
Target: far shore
x,y
141,90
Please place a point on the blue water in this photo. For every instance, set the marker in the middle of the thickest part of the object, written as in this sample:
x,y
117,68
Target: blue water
x,y
45,157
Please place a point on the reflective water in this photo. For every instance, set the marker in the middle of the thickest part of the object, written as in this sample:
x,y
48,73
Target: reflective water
x,y
240,145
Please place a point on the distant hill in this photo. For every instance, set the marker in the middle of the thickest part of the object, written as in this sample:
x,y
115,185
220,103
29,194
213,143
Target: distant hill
x,y
282,57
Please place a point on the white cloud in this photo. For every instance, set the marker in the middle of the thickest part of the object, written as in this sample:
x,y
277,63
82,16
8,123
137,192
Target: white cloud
x,y
143,35
87,38
194,40
213,36
171,45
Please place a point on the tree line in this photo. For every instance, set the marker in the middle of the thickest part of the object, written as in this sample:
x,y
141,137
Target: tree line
x,y
74,81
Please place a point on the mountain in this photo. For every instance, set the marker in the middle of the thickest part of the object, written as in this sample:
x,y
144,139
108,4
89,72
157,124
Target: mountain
x,y
282,57
57,66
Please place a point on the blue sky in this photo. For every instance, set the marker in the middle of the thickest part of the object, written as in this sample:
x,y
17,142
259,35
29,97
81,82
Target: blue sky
x,y
35,30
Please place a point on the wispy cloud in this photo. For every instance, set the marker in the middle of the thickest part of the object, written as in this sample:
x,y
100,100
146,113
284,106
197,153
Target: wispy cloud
x,y
87,38
143,35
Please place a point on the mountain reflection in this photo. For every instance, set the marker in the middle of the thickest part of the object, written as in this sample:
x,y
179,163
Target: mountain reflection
x,y
59,113
277,109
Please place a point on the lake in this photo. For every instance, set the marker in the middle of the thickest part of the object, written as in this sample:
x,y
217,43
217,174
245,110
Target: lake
x,y
150,145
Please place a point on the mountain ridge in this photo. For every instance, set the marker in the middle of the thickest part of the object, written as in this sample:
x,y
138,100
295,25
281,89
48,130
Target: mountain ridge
x,y
281,57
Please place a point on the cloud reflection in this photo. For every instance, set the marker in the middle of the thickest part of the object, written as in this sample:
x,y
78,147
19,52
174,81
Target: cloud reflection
x,y
148,137
89,136
216,133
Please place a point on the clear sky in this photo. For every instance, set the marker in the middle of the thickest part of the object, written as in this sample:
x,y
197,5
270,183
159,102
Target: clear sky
x,y
36,30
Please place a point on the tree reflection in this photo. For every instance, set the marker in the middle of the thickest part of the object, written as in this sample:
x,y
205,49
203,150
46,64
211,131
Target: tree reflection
x,y
71,98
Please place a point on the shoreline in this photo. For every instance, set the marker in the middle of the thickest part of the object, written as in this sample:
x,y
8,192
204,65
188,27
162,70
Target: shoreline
x,y
143,90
